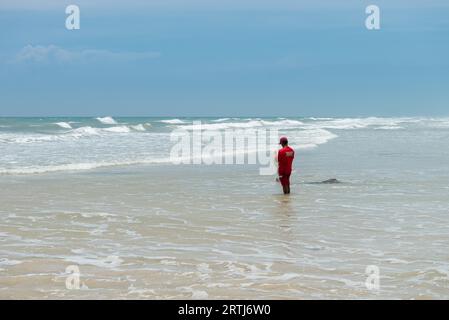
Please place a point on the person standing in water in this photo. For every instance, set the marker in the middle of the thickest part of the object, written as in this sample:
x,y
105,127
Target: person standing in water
x,y
285,160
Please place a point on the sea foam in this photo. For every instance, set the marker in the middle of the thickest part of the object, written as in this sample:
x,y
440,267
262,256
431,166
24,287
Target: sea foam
x,y
172,121
64,125
107,120
249,124
119,129
139,127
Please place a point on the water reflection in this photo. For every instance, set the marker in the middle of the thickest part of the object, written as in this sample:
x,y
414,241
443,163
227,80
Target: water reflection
x,y
285,216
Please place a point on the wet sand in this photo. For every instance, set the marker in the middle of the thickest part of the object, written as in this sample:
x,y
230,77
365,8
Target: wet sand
x,y
212,232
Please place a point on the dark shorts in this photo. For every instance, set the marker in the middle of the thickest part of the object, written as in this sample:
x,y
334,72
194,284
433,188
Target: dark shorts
x,y
284,180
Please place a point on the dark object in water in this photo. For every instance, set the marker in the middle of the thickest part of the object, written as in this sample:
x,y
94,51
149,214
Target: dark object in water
x,y
330,181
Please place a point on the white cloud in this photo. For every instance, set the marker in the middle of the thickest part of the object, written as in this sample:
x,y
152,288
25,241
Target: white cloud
x,y
52,53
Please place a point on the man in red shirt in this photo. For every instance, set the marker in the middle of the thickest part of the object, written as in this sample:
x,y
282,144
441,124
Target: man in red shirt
x,y
285,160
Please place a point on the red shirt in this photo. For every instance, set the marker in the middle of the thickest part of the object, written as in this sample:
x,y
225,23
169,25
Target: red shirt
x,y
285,159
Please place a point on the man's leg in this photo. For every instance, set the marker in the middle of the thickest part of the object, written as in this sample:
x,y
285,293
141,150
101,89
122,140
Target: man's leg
x,y
285,181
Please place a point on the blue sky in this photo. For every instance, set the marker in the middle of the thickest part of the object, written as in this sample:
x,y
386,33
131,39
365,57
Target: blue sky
x,y
221,58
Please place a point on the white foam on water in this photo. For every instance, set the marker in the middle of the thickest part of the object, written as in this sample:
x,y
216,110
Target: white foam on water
x,y
139,127
196,294
285,277
300,139
119,129
221,120
64,125
222,126
90,131
203,268
26,139
8,262
439,123
358,123
281,123
242,125
307,139
396,261
96,214
77,166
85,131
169,262
316,119
305,134
199,294
22,138
142,293
389,128
82,132
107,262
172,121
55,168
107,120
304,139
249,124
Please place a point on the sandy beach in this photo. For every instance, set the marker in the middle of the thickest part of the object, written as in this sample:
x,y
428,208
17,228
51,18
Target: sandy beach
x,y
163,231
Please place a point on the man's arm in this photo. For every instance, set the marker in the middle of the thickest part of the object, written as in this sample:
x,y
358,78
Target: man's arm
x,y
280,162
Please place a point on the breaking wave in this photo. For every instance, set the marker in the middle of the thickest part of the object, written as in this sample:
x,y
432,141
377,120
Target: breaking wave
x,y
242,125
172,121
33,146
76,166
87,131
107,120
64,125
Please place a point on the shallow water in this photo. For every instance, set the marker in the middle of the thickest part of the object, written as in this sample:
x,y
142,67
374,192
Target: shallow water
x,y
224,231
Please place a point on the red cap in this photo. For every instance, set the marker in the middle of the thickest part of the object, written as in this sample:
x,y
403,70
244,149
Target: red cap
x,y
283,140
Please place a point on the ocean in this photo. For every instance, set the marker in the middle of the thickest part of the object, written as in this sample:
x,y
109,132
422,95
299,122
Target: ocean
x,y
102,196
